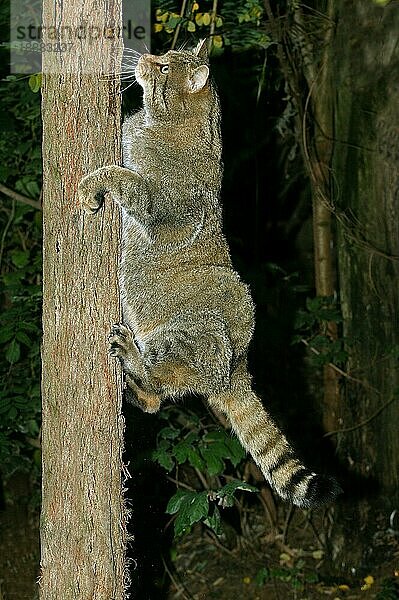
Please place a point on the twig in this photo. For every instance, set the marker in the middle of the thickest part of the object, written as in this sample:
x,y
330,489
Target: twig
x,y
340,371
6,228
362,423
201,478
180,483
316,534
211,535
287,522
20,197
180,588
178,27
213,24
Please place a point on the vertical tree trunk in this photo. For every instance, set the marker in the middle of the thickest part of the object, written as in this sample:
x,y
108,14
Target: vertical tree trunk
x,y
300,46
83,519
365,166
318,162
353,167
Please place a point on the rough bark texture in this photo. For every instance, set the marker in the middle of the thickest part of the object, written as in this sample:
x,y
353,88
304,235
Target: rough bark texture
x,y
319,168
83,519
365,165
307,44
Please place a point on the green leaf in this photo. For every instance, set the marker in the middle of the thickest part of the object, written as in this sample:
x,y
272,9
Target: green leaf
x,y
20,402
13,351
166,461
195,459
237,452
304,319
173,22
191,508
6,334
214,522
32,188
176,501
29,326
23,338
163,456
227,492
169,433
198,507
5,404
214,464
321,342
20,258
191,511
313,304
262,576
220,445
180,451
12,413
35,82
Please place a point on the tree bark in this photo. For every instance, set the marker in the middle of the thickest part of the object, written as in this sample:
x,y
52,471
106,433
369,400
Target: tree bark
x,y
365,166
83,523
303,51
318,158
352,158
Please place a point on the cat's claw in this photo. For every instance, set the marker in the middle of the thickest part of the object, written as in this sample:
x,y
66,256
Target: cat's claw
x,y
90,198
121,341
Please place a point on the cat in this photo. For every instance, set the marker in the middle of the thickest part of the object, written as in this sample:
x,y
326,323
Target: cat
x,y
188,318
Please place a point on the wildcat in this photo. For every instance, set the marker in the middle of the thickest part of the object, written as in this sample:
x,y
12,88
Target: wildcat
x,y
187,317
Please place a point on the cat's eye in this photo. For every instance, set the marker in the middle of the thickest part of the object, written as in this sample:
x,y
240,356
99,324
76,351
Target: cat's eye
x,y
164,69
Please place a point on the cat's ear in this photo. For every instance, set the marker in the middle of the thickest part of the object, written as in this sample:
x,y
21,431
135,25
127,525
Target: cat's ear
x,y
198,79
201,50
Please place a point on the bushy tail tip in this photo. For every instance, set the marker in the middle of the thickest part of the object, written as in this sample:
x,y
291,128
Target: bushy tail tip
x,y
321,489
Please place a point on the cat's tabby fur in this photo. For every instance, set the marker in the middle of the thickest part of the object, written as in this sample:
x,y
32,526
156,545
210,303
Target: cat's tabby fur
x,y
187,317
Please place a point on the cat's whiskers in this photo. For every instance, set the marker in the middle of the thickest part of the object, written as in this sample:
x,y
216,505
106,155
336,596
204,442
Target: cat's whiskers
x,y
123,76
128,66
134,82
136,52
130,61
183,46
118,77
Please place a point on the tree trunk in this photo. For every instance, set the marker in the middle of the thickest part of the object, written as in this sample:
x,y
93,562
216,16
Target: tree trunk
x,y
365,167
349,56
83,530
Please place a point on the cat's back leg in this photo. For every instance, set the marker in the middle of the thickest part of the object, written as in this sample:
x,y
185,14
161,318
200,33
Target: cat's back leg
x,y
123,346
189,353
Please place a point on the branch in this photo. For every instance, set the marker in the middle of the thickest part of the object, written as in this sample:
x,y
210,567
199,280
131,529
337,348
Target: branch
x,y
178,27
365,384
20,197
213,24
6,228
364,422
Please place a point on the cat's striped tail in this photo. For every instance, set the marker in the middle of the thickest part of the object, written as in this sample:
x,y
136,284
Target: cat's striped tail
x,y
270,449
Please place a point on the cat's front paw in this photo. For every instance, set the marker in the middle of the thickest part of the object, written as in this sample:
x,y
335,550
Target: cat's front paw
x,y
91,194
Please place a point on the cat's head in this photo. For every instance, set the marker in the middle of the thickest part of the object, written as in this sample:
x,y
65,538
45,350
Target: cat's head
x,y
174,82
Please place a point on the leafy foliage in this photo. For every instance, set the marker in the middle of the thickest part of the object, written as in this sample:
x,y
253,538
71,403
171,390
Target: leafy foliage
x,y
20,280
237,25
206,449
313,326
389,589
295,576
202,449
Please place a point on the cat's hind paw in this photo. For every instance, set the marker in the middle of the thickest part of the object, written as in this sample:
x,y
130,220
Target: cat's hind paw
x,y
121,341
